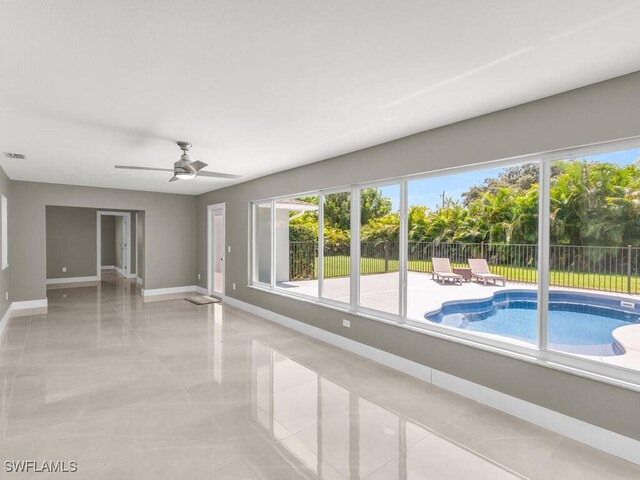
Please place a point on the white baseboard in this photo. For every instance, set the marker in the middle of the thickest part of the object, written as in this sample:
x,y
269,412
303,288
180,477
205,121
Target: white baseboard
x,y
149,292
55,281
41,303
597,437
5,320
119,271
201,291
17,306
592,435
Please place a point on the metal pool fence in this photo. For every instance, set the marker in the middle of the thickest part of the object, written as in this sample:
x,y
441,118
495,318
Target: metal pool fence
x,y
611,269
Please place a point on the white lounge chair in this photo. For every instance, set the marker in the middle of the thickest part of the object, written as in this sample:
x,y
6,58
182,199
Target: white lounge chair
x,y
480,270
441,268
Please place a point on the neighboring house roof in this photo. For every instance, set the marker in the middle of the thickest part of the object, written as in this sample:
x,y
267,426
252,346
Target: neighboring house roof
x,y
296,205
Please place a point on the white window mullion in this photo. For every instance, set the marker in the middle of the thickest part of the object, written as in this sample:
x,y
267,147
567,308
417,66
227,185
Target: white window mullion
x,y
403,256
254,245
273,243
544,208
355,248
321,246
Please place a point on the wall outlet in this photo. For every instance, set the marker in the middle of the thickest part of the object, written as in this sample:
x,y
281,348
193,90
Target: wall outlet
x,y
198,276
346,323
64,269
233,285
228,248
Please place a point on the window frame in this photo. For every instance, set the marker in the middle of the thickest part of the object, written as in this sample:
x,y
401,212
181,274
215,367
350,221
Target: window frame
x,y
4,212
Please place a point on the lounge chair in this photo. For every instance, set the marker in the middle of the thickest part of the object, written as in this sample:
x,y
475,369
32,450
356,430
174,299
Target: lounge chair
x,y
441,268
480,270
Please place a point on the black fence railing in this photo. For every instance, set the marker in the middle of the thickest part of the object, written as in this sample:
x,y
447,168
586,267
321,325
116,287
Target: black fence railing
x,y
612,269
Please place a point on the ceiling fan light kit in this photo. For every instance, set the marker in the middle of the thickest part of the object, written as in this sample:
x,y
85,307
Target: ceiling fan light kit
x,y
183,169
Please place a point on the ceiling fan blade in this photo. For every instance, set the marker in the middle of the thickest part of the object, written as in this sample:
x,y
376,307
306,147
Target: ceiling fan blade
x,y
203,173
197,165
131,167
174,179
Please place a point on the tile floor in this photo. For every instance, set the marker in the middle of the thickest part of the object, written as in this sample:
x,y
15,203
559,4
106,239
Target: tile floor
x,y
168,390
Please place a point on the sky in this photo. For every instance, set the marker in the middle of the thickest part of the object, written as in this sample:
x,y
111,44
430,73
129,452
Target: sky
x,y
428,192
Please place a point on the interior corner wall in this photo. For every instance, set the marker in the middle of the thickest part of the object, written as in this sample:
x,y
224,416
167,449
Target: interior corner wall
x,y
169,224
5,274
107,241
595,113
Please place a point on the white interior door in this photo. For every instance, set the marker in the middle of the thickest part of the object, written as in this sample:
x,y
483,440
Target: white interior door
x,y
216,250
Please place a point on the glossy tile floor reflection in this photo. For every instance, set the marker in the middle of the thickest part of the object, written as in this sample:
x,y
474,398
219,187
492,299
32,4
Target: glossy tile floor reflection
x,y
168,390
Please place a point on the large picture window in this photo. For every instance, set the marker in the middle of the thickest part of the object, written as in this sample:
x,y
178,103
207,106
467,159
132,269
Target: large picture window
x,y
380,249
540,257
473,252
594,255
336,272
262,242
297,244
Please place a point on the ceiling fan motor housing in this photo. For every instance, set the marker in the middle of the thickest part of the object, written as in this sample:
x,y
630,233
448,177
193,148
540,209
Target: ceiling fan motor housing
x,y
182,165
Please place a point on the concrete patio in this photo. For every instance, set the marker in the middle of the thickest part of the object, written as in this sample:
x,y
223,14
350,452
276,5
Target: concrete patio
x,y
381,291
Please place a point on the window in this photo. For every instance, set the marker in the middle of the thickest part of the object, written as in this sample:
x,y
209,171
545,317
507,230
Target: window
x,y
380,249
262,242
336,246
539,257
5,233
297,244
473,241
594,255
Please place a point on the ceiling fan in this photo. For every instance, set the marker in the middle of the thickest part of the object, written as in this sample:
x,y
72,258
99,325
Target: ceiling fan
x,y
183,169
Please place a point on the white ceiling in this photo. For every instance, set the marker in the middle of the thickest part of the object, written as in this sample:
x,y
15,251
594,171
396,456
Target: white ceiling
x,y
262,86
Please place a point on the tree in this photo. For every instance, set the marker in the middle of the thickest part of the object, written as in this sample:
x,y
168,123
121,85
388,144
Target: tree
x,y
337,208
373,205
381,229
517,179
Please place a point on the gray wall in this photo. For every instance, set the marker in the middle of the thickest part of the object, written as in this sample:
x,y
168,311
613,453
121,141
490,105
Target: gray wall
x,y
140,241
169,220
119,233
5,274
70,242
108,242
600,112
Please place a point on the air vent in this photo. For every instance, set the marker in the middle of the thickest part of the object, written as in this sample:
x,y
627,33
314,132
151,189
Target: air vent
x,y
18,156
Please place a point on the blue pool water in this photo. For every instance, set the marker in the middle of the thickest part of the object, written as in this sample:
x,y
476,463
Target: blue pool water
x,y
578,323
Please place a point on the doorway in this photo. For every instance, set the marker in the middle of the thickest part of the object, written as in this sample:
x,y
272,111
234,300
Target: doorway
x,y
122,243
215,249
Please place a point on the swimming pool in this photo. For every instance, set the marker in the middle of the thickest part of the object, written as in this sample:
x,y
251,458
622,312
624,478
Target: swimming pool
x,y
578,322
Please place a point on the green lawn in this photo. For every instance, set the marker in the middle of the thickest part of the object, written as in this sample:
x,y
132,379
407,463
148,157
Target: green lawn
x,y
339,266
